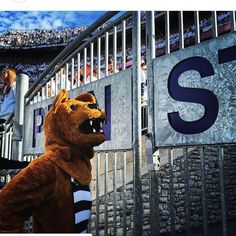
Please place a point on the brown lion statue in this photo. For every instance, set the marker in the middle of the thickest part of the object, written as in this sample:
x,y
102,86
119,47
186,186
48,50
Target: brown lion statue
x,y
54,188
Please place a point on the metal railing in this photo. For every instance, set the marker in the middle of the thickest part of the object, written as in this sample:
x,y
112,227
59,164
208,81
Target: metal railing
x,y
122,173
70,63
6,139
12,136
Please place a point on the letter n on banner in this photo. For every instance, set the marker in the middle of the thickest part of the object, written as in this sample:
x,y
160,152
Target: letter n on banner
x,y
107,125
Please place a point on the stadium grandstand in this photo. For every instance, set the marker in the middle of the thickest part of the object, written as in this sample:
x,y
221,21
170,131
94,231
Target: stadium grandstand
x,y
19,48
168,166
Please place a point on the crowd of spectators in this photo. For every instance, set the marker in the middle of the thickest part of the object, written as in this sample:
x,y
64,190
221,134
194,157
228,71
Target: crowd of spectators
x,y
33,70
40,37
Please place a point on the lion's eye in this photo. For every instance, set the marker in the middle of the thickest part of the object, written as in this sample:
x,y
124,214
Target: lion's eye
x,y
73,107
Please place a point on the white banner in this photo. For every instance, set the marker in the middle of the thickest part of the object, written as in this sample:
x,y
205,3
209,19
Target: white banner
x,y
195,94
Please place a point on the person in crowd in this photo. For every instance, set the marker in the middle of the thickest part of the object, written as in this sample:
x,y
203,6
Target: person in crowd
x,y
7,101
89,78
111,68
51,87
143,81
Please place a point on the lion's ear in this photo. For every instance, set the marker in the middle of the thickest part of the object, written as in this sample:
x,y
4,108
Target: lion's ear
x,y
60,98
86,97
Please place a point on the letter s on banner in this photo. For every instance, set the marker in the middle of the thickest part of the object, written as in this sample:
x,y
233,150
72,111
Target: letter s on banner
x,y
195,95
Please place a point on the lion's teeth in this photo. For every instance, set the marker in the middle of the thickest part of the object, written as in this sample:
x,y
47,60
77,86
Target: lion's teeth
x,y
101,130
101,124
94,130
91,122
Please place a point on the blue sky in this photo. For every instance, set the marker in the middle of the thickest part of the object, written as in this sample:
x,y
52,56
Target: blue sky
x,y
46,19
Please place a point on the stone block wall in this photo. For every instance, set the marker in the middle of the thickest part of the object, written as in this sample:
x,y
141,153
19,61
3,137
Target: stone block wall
x,y
213,196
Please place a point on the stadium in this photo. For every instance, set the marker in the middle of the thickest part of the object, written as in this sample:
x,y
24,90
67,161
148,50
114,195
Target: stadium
x,y
168,166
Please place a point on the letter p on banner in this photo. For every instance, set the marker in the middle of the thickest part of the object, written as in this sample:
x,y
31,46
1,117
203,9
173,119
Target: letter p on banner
x,y
38,121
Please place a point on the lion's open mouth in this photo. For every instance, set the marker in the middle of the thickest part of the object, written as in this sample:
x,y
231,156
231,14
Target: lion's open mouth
x,y
92,126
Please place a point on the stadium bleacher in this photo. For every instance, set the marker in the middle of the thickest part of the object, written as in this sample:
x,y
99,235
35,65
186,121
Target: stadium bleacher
x,y
31,39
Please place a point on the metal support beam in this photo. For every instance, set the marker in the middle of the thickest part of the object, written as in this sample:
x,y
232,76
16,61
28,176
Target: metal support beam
x,y
136,75
22,86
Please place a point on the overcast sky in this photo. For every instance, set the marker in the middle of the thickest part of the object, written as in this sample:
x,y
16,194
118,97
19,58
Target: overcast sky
x,y
46,19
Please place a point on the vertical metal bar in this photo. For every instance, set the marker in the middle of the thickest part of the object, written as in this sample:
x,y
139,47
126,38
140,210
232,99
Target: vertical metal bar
x,y
91,62
72,73
56,83
44,91
97,192
167,31
114,158
137,144
2,144
78,70
22,85
181,30
10,143
99,57
85,65
8,178
6,146
222,190
106,52
233,23
124,194
60,77
150,55
67,82
38,97
154,204
123,45
197,27
171,185
187,193
204,197
106,194
35,99
215,25
154,194
52,90
114,49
